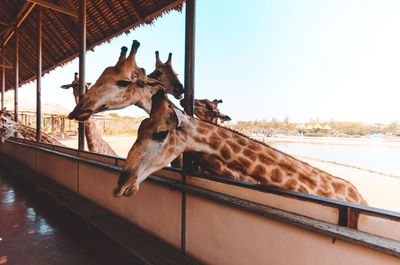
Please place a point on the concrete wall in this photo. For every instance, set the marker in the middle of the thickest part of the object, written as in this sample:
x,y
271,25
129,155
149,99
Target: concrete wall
x,y
215,233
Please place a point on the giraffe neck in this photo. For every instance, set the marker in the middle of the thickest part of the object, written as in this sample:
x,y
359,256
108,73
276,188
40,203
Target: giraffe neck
x,y
29,133
94,140
263,163
141,93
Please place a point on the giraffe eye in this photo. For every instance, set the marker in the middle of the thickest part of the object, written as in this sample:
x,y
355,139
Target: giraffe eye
x,y
123,83
160,136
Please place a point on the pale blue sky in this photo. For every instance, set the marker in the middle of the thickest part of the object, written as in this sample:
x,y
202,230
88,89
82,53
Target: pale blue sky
x,y
303,59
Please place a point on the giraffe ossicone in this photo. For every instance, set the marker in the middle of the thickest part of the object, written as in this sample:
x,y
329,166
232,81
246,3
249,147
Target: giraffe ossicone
x,y
164,135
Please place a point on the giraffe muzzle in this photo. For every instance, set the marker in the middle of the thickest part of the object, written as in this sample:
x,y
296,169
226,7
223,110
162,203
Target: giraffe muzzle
x,y
80,115
125,186
126,191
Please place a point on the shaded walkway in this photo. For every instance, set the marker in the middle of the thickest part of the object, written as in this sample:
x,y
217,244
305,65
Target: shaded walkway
x,y
34,230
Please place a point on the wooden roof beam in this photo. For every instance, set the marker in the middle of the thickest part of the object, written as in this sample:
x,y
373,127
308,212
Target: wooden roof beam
x,y
22,15
136,11
55,7
6,66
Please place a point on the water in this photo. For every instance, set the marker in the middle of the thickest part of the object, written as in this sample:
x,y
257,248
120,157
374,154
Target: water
x,y
378,156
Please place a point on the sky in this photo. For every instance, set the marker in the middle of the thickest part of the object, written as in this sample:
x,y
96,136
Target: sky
x,y
302,60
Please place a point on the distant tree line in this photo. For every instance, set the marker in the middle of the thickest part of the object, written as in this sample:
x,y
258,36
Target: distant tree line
x,y
316,128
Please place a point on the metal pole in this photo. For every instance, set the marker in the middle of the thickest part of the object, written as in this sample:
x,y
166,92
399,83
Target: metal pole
x,y
82,59
189,55
39,77
3,78
188,99
16,74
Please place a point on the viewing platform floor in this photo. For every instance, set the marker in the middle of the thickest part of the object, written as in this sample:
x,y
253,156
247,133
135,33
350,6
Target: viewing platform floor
x,y
34,229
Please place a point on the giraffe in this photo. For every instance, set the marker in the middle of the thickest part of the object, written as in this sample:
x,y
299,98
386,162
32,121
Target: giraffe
x,y
111,93
94,140
8,128
207,110
168,132
126,84
75,86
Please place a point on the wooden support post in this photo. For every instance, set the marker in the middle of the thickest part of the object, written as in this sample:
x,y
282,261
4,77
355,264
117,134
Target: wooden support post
x,y
16,74
39,77
188,99
3,78
82,61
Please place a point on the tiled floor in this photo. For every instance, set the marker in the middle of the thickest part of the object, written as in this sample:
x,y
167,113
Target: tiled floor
x,y
34,230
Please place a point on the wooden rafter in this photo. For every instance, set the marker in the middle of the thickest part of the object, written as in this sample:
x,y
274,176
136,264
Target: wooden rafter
x,y
103,17
55,7
62,48
6,66
22,15
69,27
69,3
136,10
89,14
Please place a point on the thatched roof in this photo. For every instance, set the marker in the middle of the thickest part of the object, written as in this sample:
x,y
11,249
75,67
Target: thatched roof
x,y
105,19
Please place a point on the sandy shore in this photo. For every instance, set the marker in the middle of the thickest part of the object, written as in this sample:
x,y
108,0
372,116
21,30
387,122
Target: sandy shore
x,y
378,189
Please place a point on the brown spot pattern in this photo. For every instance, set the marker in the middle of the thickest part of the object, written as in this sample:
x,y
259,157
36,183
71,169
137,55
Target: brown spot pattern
x,y
170,151
291,184
250,154
223,134
286,166
240,140
215,143
338,187
199,139
259,171
353,194
324,193
302,189
308,181
265,159
234,146
254,146
202,130
245,162
226,153
235,165
276,175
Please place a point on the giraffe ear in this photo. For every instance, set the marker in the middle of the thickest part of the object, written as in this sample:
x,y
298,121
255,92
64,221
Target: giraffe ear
x,y
224,117
182,118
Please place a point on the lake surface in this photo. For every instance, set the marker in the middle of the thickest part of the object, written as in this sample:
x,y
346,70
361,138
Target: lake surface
x,y
378,156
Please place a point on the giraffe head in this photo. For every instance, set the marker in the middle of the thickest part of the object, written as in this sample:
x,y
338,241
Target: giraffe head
x,y
8,127
207,110
167,76
161,138
112,87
